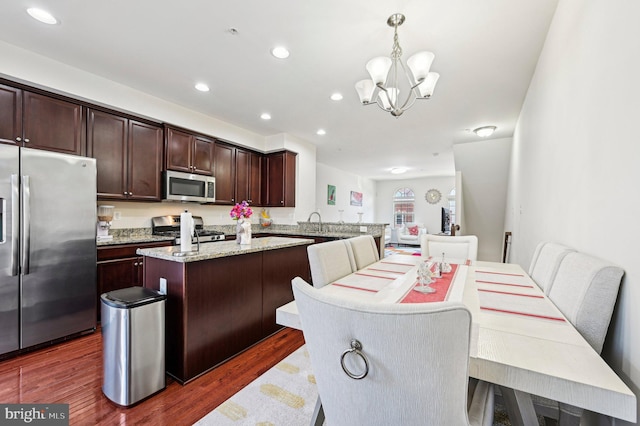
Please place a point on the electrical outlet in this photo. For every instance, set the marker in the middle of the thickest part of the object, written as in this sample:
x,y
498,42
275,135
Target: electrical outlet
x,y
363,229
163,285
117,215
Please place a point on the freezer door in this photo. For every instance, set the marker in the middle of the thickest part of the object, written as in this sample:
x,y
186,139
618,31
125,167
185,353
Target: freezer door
x,y
9,267
58,250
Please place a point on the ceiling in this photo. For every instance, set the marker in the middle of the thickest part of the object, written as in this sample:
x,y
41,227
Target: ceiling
x,y
485,52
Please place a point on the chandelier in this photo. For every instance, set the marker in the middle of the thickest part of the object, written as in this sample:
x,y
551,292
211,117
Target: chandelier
x,y
390,75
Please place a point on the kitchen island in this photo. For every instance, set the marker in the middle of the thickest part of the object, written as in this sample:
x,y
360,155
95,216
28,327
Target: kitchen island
x,y
223,298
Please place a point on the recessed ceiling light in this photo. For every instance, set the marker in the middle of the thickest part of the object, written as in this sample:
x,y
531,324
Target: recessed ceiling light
x,y
202,87
398,170
42,16
336,97
485,131
265,116
321,132
280,52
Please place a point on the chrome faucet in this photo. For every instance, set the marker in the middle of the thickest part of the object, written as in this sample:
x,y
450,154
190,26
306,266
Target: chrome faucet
x,y
319,220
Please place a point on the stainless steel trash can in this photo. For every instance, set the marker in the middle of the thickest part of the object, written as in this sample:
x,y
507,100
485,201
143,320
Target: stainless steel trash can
x,y
133,344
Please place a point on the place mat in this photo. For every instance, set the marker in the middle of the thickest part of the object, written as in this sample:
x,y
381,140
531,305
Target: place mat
x,y
441,285
513,303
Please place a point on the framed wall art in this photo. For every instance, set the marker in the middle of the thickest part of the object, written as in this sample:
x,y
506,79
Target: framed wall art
x,y
331,195
356,198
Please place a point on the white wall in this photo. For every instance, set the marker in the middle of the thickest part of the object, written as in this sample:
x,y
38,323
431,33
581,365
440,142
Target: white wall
x,y
344,183
484,166
20,65
427,214
574,168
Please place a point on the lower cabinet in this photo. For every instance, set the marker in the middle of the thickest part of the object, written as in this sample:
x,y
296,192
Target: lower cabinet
x,y
120,267
219,307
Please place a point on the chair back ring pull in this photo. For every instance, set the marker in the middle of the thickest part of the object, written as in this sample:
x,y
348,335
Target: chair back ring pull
x,y
356,347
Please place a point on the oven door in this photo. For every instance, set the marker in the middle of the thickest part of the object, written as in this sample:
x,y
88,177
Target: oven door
x,y
188,187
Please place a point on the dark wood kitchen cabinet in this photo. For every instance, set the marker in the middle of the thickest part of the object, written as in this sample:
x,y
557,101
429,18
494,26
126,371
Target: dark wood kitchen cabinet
x,y
128,154
224,170
189,153
248,177
280,180
219,307
120,267
41,122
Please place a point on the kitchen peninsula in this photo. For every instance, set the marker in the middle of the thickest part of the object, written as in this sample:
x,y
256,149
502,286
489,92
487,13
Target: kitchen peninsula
x,y
223,298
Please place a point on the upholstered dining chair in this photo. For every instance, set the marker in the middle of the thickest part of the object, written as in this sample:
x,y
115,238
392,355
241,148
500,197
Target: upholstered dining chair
x,y
458,247
545,263
365,251
390,364
585,290
330,261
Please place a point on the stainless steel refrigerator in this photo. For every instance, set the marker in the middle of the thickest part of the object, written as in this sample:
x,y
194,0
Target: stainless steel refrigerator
x,y
47,246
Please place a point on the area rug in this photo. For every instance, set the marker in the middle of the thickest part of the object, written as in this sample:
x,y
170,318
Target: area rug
x,y
283,396
411,251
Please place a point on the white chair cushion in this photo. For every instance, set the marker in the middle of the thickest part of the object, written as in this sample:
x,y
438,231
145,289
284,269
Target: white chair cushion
x,y
365,251
585,290
330,261
411,381
453,247
545,263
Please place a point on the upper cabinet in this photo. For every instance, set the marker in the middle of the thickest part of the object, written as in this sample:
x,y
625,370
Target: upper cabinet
x,y
189,153
248,177
238,174
280,181
224,170
42,122
128,154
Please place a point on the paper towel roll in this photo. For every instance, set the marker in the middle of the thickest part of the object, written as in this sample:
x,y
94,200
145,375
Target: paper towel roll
x,y
186,231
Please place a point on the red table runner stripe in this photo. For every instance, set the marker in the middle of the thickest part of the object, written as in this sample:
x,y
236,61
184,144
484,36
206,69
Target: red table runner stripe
x,y
513,285
354,287
386,270
374,276
410,265
500,273
521,313
512,294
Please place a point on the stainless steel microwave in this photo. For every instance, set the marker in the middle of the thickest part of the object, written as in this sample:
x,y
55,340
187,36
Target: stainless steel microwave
x,y
178,186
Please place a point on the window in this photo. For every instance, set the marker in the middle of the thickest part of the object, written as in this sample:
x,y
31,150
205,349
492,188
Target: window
x,y
403,206
452,205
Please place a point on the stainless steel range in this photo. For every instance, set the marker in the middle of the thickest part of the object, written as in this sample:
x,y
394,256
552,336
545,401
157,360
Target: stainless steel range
x,y
170,226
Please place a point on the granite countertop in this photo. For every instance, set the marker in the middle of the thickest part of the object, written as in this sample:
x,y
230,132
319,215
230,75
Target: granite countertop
x,y
148,238
223,249
134,239
317,233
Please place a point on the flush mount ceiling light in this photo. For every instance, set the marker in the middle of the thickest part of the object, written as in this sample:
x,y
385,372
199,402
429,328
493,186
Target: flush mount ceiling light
x,y
42,16
485,131
280,52
398,170
390,77
202,87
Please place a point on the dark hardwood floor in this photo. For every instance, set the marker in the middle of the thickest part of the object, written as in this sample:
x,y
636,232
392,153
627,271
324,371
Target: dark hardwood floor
x,y
71,373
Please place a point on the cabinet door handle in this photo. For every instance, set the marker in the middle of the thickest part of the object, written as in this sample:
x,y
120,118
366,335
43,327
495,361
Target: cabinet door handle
x,y
18,139
26,140
135,264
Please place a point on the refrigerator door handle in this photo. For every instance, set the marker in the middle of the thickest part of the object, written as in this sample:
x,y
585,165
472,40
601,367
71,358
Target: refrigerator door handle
x,y
26,224
15,234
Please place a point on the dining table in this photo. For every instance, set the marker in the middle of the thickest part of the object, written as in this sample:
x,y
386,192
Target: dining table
x,y
520,340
